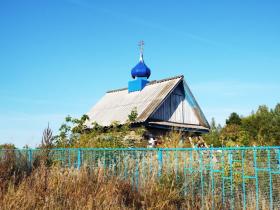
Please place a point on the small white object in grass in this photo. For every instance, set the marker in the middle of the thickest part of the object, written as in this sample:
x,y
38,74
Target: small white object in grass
x,y
152,142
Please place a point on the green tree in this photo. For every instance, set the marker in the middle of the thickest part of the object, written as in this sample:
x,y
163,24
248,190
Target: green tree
x,y
70,131
261,126
234,135
213,137
234,119
47,138
133,115
276,125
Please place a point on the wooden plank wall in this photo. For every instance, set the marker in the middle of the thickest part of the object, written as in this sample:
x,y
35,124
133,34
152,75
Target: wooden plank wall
x,y
176,109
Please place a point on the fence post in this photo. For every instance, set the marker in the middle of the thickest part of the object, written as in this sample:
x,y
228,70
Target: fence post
x,y
30,158
79,159
125,164
159,156
136,181
212,178
256,178
230,156
243,179
192,177
69,158
201,177
270,179
223,177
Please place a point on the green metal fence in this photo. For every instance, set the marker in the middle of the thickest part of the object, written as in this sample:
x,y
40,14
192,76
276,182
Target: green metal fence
x,y
235,177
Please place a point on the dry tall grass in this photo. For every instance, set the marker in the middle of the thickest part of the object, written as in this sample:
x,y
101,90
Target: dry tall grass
x,y
56,187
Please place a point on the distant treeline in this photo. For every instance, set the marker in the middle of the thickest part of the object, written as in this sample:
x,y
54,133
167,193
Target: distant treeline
x,y
259,128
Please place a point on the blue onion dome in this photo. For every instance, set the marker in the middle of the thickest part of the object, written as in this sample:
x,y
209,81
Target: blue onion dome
x,y
141,69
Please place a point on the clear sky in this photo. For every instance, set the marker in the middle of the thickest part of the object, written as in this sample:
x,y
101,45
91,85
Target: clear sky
x,y
58,57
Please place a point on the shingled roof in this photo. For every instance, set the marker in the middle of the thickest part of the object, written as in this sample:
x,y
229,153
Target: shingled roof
x,y
116,105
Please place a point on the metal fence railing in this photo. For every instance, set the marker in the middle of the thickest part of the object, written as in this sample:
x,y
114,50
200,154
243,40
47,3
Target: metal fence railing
x,y
235,177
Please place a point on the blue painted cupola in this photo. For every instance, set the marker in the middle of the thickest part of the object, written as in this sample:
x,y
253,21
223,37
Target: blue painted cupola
x,y
141,69
140,73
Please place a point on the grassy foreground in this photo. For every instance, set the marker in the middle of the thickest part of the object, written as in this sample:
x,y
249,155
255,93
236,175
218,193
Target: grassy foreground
x,y
58,188
46,185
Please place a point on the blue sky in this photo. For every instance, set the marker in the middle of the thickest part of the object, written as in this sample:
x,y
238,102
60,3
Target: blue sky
x,y
58,57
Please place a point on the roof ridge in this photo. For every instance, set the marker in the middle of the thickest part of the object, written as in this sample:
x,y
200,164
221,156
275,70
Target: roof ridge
x,y
164,80
150,83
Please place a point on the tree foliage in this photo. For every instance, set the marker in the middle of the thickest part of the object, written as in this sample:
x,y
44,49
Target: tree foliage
x,y
77,133
213,137
133,115
259,128
47,138
234,119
